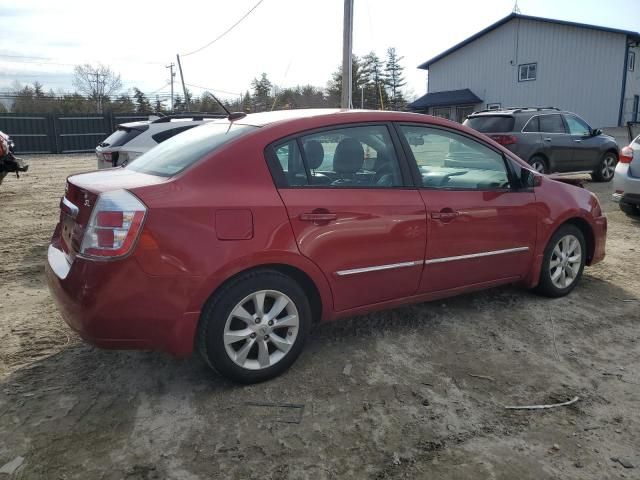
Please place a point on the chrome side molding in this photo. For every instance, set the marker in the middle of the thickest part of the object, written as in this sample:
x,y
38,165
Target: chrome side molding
x,y
476,255
344,273
69,207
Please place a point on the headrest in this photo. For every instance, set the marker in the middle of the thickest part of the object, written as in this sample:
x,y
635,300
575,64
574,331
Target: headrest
x,y
349,156
314,153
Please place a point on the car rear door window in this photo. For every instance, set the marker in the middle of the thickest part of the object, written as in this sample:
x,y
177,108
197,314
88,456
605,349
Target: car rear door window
x,y
577,126
533,125
347,157
551,124
449,160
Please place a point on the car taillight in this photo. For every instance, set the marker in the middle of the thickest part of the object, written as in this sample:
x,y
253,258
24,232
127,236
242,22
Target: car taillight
x,y
114,226
107,157
504,139
626,155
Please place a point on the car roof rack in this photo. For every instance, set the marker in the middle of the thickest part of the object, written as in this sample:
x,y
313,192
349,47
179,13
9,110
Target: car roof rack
x,y
515,109
194,116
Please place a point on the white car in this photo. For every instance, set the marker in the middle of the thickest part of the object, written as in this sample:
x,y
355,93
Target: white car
x,y
626,180
130,140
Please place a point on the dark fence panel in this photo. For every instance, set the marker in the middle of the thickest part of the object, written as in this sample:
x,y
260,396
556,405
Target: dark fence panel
x,y
81,133
32,133
46,133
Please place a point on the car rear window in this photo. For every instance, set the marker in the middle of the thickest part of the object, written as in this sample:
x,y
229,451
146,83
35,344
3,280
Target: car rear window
x,y
122,136
491,123
167,134
179,152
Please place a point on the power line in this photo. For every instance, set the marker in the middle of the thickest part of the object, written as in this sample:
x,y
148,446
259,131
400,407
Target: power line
x,y
212,89
225,32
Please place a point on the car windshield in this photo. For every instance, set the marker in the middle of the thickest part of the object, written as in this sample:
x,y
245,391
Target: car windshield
x,y
491,123
177,153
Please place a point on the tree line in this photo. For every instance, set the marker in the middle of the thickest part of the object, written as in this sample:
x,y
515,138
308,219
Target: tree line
x,y
376,84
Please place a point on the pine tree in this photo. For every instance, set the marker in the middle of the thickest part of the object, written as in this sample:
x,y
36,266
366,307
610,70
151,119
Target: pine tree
x,y
143,105
334,87
261,93
246,102
395,80
178,104
374,76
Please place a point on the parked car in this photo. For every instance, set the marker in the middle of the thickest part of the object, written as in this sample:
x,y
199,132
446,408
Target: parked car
x,y
626,182
550,140
130,140
237,235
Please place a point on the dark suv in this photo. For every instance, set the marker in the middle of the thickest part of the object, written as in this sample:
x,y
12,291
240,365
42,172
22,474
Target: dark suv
x,y
549,139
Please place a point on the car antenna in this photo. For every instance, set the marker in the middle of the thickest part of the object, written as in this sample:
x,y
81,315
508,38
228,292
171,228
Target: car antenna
x,y
231,116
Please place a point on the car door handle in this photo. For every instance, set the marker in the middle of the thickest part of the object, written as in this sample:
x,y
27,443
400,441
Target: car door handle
x,y
445,216
317,217
577,140
547,139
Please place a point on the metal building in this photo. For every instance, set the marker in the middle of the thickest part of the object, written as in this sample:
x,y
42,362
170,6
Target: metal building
x,y
531,61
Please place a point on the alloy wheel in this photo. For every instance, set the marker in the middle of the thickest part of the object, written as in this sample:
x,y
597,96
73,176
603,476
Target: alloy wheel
x,y
261,329
608,167
538,166
565,262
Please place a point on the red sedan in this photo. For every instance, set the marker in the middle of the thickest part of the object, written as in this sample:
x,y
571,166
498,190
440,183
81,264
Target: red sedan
x,y
237,236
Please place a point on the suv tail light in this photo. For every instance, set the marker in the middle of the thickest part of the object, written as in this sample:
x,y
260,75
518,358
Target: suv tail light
x,y
114,225
504,139
626,155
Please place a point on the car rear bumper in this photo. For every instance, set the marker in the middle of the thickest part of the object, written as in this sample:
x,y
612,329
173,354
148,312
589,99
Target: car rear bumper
x,y
115,305
626,190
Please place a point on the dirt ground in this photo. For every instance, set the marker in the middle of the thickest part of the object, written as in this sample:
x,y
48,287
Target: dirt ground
x,y
416,392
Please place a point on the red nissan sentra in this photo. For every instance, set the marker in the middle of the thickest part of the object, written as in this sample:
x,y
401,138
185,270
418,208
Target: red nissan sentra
x,y
236,236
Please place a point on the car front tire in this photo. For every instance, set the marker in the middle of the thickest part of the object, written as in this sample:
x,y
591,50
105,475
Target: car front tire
x,y
563,262
255,327
606,168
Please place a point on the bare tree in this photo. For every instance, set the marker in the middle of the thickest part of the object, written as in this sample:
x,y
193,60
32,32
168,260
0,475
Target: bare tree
x,y
96,82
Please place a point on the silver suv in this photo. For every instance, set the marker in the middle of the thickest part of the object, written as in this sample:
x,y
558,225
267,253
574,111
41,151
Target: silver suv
x,y
550,140
626,183
130,140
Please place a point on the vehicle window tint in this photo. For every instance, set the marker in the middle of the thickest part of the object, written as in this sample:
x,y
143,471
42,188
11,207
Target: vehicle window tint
x,y
491,123
178,153
352,157
533,125
551,124
291,165
577,126
121,136
452,161
167,134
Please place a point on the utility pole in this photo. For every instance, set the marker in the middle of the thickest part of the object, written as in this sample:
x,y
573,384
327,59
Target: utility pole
x,y
347,52
184,89
98,92
171,75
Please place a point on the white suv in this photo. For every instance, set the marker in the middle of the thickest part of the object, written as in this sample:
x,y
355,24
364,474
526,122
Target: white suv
x,y
130,140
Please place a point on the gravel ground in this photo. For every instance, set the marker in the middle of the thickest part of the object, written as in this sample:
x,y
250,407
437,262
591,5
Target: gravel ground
x,y
416,392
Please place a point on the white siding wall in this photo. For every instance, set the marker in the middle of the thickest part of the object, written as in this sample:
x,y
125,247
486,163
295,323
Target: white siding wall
x,y
579,69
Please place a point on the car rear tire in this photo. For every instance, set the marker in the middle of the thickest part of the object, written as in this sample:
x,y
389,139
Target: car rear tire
x,y
254,328
563,262
606,168
632,211
539,164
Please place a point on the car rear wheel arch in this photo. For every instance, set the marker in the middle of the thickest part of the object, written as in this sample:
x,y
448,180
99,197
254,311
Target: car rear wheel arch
x,y
296,274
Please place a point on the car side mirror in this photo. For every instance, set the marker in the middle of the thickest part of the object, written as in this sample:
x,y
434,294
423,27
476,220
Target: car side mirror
x,y
595,132
530,179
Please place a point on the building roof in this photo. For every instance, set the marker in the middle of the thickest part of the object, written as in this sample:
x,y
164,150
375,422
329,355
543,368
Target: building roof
x,y
425,65
450,97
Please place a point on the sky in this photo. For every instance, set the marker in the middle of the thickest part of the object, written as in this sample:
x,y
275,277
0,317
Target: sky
x,y
292,41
